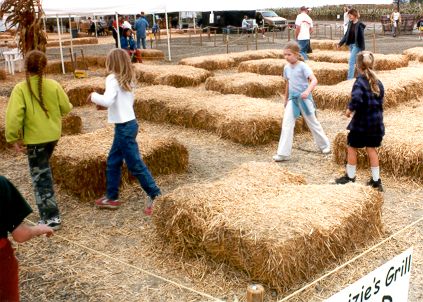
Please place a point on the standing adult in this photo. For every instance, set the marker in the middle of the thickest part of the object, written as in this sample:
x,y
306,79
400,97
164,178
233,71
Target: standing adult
x,y
140,27
303,29
117,26
354,38
395,21
346,18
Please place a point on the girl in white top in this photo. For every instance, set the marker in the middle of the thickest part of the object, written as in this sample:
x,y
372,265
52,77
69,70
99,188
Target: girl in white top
x,y
300,82
119,99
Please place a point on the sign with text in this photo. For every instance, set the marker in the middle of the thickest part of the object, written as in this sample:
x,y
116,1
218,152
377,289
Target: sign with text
x,y
388,283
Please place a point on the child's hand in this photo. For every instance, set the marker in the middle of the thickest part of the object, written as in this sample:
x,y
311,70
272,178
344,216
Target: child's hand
x,y
44,229
304,95
19,147
348,113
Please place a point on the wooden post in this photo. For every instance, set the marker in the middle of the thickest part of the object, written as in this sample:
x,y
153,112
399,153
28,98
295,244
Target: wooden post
x,y
289,34
273,37
255,293
208,33
248,42
227,45
331,35
256,40
324,30
201,38
189,37
215,37
374,43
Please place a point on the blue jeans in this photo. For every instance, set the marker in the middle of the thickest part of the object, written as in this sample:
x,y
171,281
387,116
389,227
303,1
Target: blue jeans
x,y
141,40
125,147
304,46
354,50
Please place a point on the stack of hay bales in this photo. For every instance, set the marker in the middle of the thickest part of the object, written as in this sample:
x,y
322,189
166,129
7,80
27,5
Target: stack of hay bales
x,y
172,75
82,171
226,61
244,120
249,84
79,89
152,54
401,153
327,45
326,73
55,66
382,62
265,221
71,124
401,85
79,41
415,53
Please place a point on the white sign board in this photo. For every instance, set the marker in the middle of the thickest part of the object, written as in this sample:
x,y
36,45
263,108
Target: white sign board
x,y
388,283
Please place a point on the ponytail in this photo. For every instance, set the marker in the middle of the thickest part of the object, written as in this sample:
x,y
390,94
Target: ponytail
x,y
365,63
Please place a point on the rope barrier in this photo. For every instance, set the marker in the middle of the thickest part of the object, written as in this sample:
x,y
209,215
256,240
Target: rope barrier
x,y
351,260
135,267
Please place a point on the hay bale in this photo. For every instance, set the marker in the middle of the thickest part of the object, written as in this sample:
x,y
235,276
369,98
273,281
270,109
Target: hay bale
x,y
244,120
2,75
382,61
262,220
78,41
415,53
71,124
82,171
249,84
401,85
55,66
326,73
79,89
327,45
152,54
226,61
401,153
172,75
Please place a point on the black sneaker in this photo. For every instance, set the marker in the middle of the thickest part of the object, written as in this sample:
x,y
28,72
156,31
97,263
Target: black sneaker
x,y
55,223
344,180
375,184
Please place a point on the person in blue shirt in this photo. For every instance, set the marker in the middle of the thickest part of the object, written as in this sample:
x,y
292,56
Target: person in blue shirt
x,y
127,42
141,26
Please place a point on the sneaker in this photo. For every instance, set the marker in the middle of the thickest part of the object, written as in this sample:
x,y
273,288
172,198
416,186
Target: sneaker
x,y
279,158
326,150
375,184
148,210
344,180
106,203
55,223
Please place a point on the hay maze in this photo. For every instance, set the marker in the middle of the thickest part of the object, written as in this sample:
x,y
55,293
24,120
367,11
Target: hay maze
x,y
382,61
401,153
265,221
172,75
82,171
78,90
401,86
244,120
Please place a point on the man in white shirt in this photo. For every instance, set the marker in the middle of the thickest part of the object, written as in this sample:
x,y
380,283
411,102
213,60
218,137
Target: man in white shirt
x,y
346,17
395,20
303,29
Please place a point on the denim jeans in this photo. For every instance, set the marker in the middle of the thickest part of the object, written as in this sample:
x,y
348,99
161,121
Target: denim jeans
x,y
141,41
42,179
304,46
125,147
354,50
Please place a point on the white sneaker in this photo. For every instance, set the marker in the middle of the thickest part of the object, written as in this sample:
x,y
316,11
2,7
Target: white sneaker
x,y
326,150
278,158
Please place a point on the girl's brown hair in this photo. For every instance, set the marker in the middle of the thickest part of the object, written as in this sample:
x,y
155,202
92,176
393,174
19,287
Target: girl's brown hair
x,y
295,49
365,63
119,63
35,64
354,12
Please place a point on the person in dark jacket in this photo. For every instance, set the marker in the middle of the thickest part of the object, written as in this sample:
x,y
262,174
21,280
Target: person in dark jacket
x,y
127,42
366,126
354,38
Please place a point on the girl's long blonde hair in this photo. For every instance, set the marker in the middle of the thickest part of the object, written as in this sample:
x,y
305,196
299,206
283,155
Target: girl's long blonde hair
x,y
119,63
365,63
295,49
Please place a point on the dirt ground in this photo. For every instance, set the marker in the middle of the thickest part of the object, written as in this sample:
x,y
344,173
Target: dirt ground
x,y
104,255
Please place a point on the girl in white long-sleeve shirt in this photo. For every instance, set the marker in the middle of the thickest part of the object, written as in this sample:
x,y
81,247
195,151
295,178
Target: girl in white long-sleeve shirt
x,y
119,99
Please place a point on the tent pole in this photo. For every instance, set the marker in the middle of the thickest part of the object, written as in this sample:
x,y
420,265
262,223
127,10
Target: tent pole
x,y
71,37
195,30
60,43
117,29
95,26
168,37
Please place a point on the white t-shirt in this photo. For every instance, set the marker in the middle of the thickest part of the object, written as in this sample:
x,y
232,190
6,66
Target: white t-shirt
x,y
396,16
346,19
126,24
245,24
305,23
120,103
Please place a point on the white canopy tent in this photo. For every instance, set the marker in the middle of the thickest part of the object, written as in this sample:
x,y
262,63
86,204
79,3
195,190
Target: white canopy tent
x,y
62,8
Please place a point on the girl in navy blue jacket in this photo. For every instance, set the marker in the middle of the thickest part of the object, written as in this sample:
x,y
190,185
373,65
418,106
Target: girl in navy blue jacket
x,y
366,126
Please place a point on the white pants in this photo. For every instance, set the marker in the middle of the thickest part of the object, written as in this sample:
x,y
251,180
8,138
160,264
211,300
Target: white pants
x,y
288,125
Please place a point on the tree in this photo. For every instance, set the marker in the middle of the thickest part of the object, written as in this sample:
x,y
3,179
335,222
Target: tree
x,y
27,16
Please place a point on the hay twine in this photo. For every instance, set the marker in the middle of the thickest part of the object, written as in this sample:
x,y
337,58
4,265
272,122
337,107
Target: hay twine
x,y
352,260
135,267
